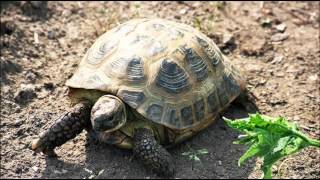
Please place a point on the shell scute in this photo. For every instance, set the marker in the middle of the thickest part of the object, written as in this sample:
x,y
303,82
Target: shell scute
x,y
154,112
171,117
187,115
199,109
171,77
133,98
196,63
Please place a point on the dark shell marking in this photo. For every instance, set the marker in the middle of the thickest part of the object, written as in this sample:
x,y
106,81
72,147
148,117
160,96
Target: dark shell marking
x,y
96,55
171,117
186,116
231,86
213,102
196,64
223,95
133,98
228,89
199,109
154,112
135,70
171,77
213,55
203,43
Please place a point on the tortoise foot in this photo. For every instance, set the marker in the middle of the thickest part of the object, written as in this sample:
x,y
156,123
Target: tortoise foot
x,y
151,154
66,127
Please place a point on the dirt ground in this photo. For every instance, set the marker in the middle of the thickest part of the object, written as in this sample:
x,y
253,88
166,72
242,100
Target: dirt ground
x,y
275,44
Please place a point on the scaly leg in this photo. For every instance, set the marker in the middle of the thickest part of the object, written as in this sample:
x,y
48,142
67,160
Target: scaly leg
x,y
247,100
151,154
66,127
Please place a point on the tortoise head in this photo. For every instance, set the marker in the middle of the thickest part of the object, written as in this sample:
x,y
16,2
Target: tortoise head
x,y
108,114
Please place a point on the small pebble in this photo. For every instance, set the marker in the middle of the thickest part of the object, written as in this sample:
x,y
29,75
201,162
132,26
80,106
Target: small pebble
x,y
228,39
266,23
313,77
183,11
281,27
25,93
49,86
18,170
279,37
7,27
35,168
52,34
277,59
31,77
18,122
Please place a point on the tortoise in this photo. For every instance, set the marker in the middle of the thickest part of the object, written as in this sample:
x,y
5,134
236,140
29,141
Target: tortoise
x,y
146,85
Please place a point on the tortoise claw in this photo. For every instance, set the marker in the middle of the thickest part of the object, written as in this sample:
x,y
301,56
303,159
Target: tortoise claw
x,y
64,128
37,146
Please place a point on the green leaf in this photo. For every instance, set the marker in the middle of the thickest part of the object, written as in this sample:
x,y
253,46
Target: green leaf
x,y
202,151
100,172
186,153
196,158
281,144
269,138
252,151
267,172
194,155
91,176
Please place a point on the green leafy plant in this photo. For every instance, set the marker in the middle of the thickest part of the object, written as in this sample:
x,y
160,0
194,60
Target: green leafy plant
x,y
197,23
269,138
93,175
194,155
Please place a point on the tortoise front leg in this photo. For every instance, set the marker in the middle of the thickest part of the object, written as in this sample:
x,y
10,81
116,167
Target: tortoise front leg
x,y
151,154
66,127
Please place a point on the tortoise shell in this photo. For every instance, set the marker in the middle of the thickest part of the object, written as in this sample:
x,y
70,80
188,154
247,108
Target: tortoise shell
x,y
169,72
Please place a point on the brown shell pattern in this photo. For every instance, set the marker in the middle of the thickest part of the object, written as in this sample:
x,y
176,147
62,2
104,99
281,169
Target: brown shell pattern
x,y
169,72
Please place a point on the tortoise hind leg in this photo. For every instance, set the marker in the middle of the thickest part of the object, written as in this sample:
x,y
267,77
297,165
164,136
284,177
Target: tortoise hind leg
x,y
151,154
247,100
66,127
